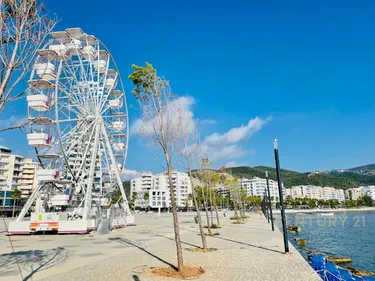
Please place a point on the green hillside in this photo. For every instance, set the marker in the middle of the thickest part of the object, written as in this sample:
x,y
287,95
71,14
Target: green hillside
x,y
292,178
366,169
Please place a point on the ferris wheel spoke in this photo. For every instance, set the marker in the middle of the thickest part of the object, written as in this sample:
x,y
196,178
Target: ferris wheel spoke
x,y
88,147
78,84
80,137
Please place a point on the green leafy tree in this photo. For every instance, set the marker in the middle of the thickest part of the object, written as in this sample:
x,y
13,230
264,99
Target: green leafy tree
x,y
350,204
367,201
312,204
333,203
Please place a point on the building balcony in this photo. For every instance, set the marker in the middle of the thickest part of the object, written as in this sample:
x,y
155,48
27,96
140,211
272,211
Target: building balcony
x,y
3,177
4,168
28,170
17,176
26,187
4,160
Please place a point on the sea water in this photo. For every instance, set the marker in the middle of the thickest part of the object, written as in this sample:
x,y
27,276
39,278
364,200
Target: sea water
x,y
349,234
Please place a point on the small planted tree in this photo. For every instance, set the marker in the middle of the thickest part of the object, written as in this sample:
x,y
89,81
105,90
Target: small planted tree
x,y
190,151
160,124
16,194
211,179
24,27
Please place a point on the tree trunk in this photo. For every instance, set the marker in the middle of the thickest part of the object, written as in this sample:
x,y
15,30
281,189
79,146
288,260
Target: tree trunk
x,y
206,209
217,212
180,261
14,207
212,214
235,207
201,230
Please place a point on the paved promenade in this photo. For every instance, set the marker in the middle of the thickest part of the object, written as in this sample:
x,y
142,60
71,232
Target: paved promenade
x,y
249,251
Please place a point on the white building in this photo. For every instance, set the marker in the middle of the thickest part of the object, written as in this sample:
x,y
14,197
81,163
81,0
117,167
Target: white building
x,y
141,186
28,180
317,192
16,172
257,186
354,193
340,195
370,191
157,187
4,167
11,167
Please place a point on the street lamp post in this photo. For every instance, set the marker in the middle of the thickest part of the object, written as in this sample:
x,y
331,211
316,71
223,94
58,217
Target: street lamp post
x,y
266,204
283,219
269,201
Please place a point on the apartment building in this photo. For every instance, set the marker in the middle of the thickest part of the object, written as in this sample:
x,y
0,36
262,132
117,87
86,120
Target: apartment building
x,y
28,180
317,192
354,193
16,172
157,187
5,154
257,186
141,186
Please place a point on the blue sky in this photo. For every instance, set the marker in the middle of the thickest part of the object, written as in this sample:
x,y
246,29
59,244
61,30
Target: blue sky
x,y
308,66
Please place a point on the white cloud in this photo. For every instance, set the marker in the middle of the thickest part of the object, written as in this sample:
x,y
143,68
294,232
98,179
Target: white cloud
x,y
225,152
234,164
227,146
127,174
177,114
237,134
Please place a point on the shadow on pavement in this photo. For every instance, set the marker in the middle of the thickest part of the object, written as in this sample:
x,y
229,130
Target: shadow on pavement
x,y
31,261
247,244
136,278
126,241
183,242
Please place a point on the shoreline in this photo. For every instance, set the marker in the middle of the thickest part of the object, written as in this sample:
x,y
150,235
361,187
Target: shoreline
x,y
339,210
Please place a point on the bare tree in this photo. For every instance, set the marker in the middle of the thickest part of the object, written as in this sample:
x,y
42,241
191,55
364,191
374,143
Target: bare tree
x,y
189,150
24,27
211,179
161,124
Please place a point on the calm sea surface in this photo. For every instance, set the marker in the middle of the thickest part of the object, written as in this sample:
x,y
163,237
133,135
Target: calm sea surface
x,y
344,234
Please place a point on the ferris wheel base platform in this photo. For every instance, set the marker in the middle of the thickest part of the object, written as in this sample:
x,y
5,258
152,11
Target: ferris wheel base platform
x,y
64,226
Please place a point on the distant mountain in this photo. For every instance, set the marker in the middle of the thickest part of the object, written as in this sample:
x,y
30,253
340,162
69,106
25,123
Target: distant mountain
x,y
292,178
366,169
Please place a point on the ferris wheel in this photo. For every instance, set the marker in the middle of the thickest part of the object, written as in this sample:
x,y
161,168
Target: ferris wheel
x,y
79,128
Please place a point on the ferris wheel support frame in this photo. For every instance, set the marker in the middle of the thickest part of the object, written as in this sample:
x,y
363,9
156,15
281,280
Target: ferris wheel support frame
x,y
85,99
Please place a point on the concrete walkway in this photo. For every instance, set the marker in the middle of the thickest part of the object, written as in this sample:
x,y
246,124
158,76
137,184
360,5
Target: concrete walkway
x,y
249,251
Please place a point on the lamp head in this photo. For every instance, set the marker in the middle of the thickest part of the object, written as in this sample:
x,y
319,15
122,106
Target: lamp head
x,y
275,144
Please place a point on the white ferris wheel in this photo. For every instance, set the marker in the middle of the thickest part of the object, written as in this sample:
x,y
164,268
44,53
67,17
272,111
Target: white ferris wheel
x,y
79,129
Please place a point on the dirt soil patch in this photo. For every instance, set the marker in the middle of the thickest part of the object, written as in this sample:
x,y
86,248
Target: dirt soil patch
x,y
201,250
187,272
